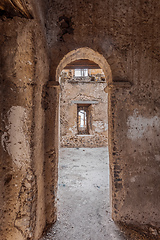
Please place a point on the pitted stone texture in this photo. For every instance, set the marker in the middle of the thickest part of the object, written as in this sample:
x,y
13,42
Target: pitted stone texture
x,y
26,217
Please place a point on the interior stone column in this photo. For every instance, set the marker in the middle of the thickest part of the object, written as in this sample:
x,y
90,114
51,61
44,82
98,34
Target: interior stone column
x,y
17,179
117,92
51,106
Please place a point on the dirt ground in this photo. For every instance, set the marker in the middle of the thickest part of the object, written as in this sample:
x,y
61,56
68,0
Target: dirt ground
x,y
83,197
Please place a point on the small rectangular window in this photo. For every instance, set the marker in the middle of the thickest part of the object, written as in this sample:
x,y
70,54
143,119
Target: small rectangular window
x,y
81,72
83,119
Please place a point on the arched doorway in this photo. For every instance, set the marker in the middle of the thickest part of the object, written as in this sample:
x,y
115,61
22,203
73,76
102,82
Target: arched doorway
x,y
52,145
85,54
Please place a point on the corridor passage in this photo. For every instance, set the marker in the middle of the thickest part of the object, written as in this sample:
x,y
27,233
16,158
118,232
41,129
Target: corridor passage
x,y
83,197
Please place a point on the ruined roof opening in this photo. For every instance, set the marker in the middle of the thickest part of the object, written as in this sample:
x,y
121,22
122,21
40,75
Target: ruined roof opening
x,y
83,75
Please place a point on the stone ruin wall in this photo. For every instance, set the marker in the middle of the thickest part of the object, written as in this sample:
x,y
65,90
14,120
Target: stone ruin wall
x,y
83,90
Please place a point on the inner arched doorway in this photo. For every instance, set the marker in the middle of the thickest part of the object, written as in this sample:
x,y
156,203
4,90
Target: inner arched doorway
x,y
86,54
75,57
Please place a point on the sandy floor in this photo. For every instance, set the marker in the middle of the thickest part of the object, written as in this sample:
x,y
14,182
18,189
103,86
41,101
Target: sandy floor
x,y
83,197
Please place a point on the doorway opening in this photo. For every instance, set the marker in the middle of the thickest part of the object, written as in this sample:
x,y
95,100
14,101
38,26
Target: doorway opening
x,y
84,128
77,172
83,184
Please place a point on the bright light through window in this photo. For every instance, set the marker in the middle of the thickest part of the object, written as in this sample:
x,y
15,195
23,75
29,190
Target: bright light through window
x,y
81,72
82,119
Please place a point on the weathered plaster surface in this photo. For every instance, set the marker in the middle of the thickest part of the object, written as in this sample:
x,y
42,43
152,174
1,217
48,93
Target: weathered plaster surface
x,y
14,140
140,127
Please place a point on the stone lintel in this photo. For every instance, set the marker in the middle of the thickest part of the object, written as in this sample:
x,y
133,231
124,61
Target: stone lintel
x,y
116,85
85,102
53,84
